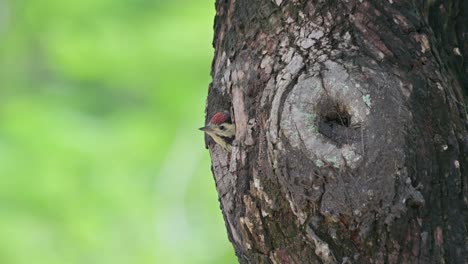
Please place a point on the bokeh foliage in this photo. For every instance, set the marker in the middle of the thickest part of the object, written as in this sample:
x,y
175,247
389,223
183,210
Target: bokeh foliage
x,y
100,157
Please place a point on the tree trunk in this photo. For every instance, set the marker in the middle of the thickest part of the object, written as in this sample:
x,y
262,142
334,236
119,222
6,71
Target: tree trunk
x,y
352,130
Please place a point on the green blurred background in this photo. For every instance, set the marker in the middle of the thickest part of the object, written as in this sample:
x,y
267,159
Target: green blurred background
x,y
100,157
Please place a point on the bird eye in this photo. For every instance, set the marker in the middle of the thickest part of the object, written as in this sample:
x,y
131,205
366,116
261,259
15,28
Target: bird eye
x,y
222,127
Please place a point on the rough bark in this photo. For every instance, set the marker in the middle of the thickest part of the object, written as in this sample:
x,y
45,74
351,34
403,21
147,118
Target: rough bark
x,y
352,130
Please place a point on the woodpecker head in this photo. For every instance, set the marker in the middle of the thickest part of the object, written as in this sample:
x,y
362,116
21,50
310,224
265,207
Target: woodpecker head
x,y
221,129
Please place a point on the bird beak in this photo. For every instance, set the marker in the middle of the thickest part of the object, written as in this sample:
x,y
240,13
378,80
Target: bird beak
x,y
205,128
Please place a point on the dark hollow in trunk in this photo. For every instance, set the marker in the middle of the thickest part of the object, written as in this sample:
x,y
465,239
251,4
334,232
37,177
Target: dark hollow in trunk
x,y
352,130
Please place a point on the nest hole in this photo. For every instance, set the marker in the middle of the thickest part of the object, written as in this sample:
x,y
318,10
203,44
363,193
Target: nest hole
x,y
334,113
342,118
335,121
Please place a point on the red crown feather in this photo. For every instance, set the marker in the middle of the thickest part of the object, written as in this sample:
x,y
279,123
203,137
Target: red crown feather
x,y
220,117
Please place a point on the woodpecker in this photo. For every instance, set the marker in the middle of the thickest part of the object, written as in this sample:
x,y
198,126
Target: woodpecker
x,y
221,129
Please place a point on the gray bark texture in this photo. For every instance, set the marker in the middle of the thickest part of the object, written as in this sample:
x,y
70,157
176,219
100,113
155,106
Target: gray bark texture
x,y
352,130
